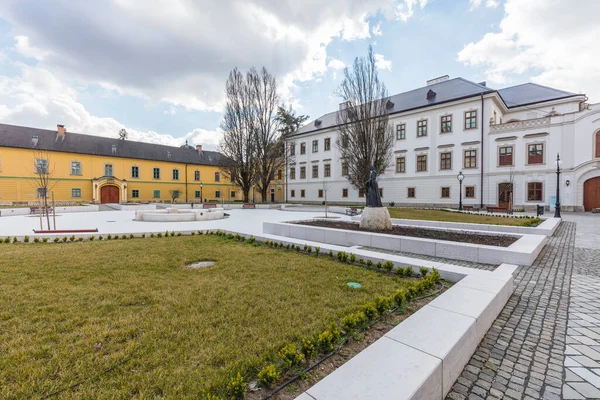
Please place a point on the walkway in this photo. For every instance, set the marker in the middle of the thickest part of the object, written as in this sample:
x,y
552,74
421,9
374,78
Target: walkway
x,y
546,342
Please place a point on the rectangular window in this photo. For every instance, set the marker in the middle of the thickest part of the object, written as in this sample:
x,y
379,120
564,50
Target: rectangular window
x,y
302,193
361,193
470,119
75,168
401,164
422,128
320,193
135,194
114,149
197,194
327,144
470,160
327,170
135,172
108,170
411,193
156,173
232,194
217,194
445,161
302,172
156,194
446,123
292,149
75,192
315,171
535,153
217,177
470,192
534,191
505,155
315,146
421,163
344,192
344,169
292,172
400,131
175,174
279,174
292,193
446,192
302,148
196,175
41,166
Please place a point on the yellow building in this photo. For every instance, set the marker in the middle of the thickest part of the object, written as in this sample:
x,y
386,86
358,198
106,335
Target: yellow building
x,y
85,168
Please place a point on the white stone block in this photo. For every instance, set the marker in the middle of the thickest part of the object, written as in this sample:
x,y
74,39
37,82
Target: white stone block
x,y
418,246
315,234
387,242
386,369
298,231
336,237
354,238
456,251
449,336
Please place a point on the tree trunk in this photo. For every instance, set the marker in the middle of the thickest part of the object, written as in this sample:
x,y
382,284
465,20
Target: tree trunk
x,y
246,193
46,209
263,194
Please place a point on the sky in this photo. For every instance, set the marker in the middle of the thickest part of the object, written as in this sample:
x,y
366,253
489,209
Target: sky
x,y
158,67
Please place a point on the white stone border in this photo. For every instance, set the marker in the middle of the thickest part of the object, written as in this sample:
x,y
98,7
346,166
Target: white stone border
x,y
422,357
523,252
546,228
8,212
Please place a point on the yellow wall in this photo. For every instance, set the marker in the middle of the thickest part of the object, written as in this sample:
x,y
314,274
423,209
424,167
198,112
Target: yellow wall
x,y
18,183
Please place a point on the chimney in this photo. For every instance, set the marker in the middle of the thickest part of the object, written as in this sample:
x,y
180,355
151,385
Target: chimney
x,y
61,129
199,147
442,78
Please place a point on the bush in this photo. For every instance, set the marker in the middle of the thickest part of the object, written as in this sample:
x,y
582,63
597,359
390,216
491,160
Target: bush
x,y
236,388
317,251
369,263
297,248
80,239
331,253
370,310
100,237
309,249
26,239
45,240
388,266
290,355
159,235
335,332
382,304
354,321
131,236
408,271
379,265
268,376
199,232
91,238
392,204
144,235
72,238
342,256
15,240
326,342
124,237
308,348
108,237
56,240
65,239
399,298
7,239
352,258
251,240
36,240
361,261
424,271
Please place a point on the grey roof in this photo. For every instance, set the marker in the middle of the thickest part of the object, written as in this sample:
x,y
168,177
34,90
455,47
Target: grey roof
x,y
450,90
22,137
531,93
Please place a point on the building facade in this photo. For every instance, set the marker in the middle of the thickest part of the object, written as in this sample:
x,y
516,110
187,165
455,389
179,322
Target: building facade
x,y
505,142
91,169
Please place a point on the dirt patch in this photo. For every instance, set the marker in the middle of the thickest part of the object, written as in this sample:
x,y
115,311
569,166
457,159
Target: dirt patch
x,y
353,346
452,236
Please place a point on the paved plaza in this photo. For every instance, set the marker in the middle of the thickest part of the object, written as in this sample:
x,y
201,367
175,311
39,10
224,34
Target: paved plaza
x,y
546,342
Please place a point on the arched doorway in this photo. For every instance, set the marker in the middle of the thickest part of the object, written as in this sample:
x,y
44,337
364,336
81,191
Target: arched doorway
x,y
109,194
591,194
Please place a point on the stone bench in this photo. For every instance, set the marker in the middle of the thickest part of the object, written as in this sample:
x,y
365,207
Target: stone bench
x,y
209,205
496,209
249,206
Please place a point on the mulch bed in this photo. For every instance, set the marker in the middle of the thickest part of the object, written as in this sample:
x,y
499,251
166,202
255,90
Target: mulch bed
x,y
452,236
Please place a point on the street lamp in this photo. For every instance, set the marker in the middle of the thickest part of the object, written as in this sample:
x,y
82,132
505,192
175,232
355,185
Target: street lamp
x,y
460,178
557,206
201,201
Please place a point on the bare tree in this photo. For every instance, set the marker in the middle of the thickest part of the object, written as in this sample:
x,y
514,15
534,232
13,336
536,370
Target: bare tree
x,y
238,144
365,137
326,188
123,134
174,193
44,180
269,142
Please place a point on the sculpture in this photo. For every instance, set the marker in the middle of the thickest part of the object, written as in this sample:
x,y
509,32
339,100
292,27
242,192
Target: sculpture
x,y
374,199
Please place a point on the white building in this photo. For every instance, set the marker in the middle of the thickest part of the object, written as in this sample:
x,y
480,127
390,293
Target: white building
x,y
454,125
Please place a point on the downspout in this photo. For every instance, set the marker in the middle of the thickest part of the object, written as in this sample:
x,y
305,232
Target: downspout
x,y
186,183
482,153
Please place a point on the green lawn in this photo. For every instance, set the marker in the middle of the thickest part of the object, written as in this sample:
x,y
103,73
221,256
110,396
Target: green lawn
x,y
448,216
70,311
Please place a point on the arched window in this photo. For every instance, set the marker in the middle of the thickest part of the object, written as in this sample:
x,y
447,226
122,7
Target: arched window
x,y
597,144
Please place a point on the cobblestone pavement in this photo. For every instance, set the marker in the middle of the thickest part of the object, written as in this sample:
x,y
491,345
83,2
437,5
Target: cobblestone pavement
x,y
468,264
522,355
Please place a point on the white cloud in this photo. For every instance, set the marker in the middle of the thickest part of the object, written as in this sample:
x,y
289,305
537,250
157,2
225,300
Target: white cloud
x,y
37,98
382,63
406,8
335,64
23,47
553,41
171,111
474,4
492,3
377,30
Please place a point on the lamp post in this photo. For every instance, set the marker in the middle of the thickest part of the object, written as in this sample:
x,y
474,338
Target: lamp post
x,y
557,206
253,194
460,178
201,201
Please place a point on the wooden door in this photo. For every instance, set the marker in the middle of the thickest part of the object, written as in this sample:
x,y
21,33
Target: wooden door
x,y
505,194
109,194
591,194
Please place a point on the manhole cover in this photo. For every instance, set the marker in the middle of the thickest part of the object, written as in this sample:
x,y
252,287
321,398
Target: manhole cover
x,y
354,285
201,264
